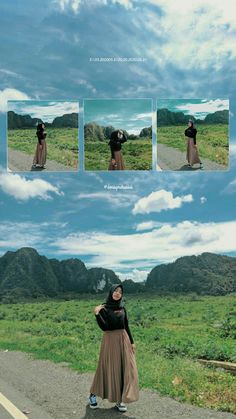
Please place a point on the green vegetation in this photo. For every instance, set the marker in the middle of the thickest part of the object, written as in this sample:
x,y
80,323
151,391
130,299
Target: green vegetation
x,y
62,144
212,140
137,155
170,334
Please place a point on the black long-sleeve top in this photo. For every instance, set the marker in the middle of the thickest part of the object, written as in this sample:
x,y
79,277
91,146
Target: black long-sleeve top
x,y
115,142
191,133
108,319
41,134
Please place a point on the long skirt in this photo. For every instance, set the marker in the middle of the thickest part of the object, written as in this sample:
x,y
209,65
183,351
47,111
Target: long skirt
x,y
40,154
119,165
192,155
116,377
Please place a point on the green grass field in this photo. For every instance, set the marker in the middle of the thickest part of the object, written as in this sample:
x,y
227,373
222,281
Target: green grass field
x,y
212,140
62,144
170,334
137,155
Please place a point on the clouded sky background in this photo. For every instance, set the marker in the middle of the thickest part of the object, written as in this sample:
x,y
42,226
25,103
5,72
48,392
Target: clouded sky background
x,y
179,50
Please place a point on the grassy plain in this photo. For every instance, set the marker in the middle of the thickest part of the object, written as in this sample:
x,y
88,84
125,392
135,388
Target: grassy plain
x,y
212,140
170,334
62,144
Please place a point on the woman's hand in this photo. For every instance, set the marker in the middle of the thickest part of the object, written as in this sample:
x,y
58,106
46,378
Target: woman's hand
x,y
113,162
98,308
133,347
41,146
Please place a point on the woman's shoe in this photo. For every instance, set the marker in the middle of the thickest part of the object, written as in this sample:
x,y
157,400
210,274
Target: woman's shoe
x,y
93,401
201,166
121,407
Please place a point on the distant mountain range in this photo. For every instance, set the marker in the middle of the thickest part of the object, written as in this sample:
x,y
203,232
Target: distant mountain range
x,y
166,117
26,274
16,121
205,274
96,132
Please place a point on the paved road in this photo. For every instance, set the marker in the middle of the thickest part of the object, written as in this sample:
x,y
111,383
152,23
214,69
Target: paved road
x,y
169,158
44,390
18,161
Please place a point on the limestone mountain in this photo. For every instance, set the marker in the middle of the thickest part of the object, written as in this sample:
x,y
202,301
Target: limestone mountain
x,y
207,273
16,121
25,273
165,117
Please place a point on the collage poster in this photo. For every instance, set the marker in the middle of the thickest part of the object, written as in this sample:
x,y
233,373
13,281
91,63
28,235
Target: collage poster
x,y
118,209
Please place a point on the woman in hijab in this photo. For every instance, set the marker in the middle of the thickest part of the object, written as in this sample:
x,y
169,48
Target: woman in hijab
x,y
192,155
116,377
41,149
117,138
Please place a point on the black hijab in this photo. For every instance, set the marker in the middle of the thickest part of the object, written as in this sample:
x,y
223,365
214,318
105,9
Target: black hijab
x,y
40,126
112,304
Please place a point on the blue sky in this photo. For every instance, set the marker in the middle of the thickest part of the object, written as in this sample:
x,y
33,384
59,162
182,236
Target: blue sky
x,y
188,52
131,115
198,108
44,110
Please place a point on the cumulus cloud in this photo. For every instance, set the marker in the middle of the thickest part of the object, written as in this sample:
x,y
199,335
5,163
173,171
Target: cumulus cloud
x,y
10,94
140,250
159,201
22,189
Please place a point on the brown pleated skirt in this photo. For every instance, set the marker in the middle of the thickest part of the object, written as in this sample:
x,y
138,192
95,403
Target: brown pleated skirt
x,y
119,162
192,155
116,377
40,154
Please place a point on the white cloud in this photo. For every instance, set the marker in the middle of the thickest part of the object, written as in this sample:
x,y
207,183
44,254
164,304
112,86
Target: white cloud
x,y
148,225
163,244
193,35
10,94
136,275
15,235
144,116
22,189
9,73
46,112
230,188
134,131
114,198
204,107
75,5
203,199
196,33
159,201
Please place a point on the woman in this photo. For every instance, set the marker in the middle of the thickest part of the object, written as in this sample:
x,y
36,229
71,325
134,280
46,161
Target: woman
x,y
117,138
116,377
192,152
41,149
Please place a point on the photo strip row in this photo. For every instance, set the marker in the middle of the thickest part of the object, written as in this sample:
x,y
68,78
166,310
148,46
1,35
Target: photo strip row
x,y
118,134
